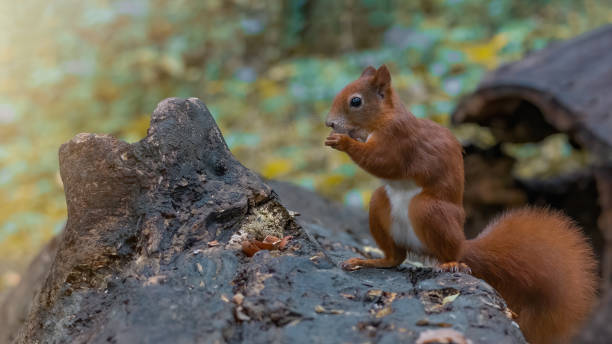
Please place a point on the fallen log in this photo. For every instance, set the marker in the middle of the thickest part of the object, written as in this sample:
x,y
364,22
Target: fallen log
x,y
151,253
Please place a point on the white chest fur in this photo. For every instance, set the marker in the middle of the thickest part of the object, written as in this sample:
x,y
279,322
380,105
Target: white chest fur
x,y
400,193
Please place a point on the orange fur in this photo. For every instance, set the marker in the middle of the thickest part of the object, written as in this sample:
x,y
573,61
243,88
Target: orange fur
x,y
538,260
542,265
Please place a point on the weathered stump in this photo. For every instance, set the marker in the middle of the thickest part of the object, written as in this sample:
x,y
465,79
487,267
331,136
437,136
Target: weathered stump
x,y
151,254
565,88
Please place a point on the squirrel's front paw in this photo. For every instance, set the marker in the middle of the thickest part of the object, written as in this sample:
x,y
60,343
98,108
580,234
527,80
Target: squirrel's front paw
x,y
454,267
352,264
337,141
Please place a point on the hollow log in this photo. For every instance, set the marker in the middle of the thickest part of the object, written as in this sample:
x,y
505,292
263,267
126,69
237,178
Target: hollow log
x,y
564,88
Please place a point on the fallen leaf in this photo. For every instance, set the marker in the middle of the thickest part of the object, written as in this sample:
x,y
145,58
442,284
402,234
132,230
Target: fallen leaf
x,y
284,242
271,239
294,322
384,312
434,301
241,315
425,322
213,243
238,298
390,296
348,296
199,266
321,309
154,280
373,294
445,336
263,245
249,248
449,298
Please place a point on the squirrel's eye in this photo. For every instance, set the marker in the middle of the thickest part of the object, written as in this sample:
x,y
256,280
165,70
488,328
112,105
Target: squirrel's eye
x,y
355,101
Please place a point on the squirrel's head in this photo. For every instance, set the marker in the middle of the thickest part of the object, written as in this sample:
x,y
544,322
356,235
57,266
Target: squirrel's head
x,y
358,108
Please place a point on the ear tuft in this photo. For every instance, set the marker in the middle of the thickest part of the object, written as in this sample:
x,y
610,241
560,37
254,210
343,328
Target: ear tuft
x,y
369,71
382,80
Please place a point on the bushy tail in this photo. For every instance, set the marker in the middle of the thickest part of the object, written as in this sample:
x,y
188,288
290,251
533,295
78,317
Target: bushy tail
x,y
542,265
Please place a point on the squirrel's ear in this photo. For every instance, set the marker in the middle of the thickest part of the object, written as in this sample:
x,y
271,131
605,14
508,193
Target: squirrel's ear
x,y
382,80
369,71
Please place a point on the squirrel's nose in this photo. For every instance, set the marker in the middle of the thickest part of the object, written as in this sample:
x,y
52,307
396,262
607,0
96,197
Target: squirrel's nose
x,y
330,124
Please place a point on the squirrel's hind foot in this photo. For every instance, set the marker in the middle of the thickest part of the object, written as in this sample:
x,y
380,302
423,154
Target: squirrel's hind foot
x,y
453,267
352,264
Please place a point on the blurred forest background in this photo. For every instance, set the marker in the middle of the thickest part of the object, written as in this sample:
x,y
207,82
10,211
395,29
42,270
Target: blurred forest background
x,y
267,70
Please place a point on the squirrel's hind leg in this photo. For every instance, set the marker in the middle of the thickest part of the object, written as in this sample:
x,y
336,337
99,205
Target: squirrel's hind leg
x,y
380,228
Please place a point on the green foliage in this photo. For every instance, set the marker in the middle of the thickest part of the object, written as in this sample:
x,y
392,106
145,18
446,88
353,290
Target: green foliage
x,y
268,71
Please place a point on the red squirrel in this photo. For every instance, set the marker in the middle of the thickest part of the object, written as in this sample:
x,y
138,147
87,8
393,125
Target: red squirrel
x,y
537,259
